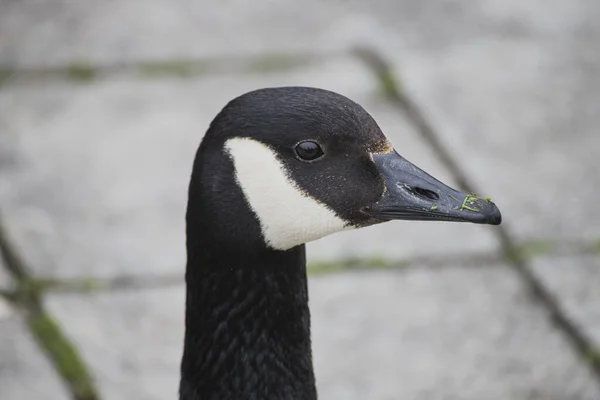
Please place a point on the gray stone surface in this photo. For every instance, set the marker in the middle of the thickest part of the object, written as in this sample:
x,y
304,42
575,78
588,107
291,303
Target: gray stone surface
x,y
6,309
5,280
575,282
455,333
24,372
61,31
515,95
132,341
98,174
5,284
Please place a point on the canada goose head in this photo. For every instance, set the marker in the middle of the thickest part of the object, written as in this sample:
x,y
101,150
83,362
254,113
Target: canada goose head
x,y
309,162
278,168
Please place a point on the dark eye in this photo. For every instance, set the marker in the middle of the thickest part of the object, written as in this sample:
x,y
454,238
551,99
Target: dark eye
x,y
309,150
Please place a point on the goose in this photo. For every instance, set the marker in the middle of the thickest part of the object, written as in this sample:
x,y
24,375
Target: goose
x,y
277,168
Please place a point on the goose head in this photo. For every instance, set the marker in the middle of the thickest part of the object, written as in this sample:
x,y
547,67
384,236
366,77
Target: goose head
x,y
277,168
308,162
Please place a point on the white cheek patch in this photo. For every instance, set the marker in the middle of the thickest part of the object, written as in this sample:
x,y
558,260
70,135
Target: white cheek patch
x,y
288,216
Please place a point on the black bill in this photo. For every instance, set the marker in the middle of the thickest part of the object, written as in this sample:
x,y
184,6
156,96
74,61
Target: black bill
x,y
413,194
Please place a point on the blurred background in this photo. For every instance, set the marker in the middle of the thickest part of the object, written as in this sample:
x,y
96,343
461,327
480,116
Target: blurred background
x,y
102,107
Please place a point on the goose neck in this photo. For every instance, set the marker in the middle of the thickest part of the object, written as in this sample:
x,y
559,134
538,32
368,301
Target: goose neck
x,y
247,325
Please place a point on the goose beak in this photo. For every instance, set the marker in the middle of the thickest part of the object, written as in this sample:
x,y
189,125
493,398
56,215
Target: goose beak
x,y
413,194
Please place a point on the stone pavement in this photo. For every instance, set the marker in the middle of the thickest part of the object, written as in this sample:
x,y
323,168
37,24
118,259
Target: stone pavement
x,y
102,107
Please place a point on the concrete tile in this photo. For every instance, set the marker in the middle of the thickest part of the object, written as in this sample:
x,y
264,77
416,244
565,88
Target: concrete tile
x,y
517,105
6,309
95,182
61,31
5,284
574,281
455,333
24,371
402,25
132,341
5,279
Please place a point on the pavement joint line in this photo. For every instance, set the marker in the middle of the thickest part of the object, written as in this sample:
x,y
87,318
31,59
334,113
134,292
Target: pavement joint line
x,y
56,346
185,68
12,261
539,248
7,295
142,282
93,284
382,70
526,250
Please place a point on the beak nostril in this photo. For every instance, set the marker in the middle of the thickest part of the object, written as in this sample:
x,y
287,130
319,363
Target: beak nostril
x,y
425,193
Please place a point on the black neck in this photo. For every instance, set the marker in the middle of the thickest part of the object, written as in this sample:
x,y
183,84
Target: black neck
x,y
247,318
247,328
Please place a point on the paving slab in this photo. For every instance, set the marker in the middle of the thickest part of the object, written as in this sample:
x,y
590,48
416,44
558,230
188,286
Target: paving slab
x,y
518,106
454,333
5,284
6,309
58,32
5,279
24,371
96,182
132,341
574,281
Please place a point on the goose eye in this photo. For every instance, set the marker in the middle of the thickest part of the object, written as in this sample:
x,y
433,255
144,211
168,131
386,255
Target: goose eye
x,y
308,150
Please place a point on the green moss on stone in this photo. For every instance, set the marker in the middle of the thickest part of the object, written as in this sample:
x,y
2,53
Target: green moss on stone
x,y
272,62
324,267
592,356
29,290
388,83
174,68
90,285
595,247
81,72
6,74
354,264
530,250
63,355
